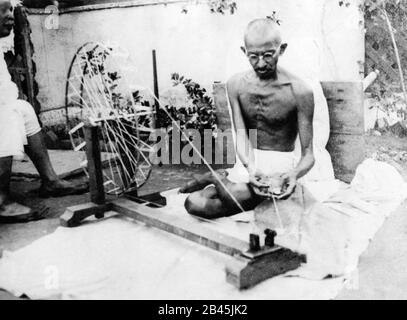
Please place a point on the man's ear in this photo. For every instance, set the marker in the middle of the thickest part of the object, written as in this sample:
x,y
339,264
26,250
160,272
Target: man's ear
x,y
243,49
282,48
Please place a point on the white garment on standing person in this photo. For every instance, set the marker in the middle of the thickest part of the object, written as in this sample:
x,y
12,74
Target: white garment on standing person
x,y
17,117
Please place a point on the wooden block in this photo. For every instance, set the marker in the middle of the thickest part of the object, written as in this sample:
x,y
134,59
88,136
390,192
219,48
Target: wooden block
x,y
73,216
244,273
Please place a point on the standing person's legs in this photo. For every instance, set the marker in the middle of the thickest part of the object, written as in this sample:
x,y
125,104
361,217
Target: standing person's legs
x,y
11,145
5,176
52,185
10,211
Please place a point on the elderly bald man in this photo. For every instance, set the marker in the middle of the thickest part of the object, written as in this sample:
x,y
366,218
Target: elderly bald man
x,y
277,106
19,132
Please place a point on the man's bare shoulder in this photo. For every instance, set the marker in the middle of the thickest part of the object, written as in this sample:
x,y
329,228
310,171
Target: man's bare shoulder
x,y
301,88
235,81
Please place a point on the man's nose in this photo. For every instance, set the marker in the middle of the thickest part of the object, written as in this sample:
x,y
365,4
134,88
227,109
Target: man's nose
x,y
261,62
9,17
10,14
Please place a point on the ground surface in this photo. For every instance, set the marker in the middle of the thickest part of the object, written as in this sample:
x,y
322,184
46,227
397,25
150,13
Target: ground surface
x,y
382,267
389,149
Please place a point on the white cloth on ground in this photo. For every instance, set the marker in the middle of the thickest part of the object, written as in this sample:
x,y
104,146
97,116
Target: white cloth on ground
x,y
333,233
120,259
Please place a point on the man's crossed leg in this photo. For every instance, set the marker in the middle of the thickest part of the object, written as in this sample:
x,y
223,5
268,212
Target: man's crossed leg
x,y
214,195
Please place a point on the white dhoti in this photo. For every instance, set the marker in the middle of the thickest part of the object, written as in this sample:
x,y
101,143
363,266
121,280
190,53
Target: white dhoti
x,y
283,216
17,122
17,117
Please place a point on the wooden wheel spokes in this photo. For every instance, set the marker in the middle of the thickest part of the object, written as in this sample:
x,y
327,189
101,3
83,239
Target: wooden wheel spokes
x,y
98,93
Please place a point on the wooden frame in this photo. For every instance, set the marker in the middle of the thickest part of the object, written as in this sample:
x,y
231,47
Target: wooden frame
x,y
250,264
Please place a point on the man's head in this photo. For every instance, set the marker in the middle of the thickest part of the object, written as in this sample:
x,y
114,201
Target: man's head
x,y
6,18
263,46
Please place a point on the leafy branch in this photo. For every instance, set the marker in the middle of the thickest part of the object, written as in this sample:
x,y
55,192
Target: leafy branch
x,y
386,22
218,6
200,116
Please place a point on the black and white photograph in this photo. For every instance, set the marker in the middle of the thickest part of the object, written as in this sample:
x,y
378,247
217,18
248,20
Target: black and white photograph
x,y
203,150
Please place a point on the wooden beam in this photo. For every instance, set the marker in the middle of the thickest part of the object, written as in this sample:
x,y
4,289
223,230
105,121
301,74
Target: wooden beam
x,y
197,232
96,187
246,268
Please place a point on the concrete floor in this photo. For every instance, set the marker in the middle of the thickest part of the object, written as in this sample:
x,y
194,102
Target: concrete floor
x,y
381,270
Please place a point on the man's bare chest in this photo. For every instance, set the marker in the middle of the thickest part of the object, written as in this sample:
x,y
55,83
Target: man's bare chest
x,y
274,104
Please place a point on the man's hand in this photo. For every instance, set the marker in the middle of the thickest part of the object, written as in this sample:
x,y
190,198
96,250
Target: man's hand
x,y
289,184
260,188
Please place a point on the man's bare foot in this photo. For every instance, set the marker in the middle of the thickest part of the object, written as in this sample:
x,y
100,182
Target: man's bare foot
x,y
61,188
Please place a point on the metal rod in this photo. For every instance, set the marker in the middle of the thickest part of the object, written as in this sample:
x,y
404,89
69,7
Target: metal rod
x,y
156,89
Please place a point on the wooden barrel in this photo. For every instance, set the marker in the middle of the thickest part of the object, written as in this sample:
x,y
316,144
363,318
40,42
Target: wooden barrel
x,y
346,143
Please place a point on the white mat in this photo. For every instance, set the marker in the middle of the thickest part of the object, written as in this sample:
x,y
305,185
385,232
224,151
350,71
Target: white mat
x,y
121,259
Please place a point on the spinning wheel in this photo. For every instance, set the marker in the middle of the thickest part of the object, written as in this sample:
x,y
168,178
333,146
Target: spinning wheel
x,y
102,90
